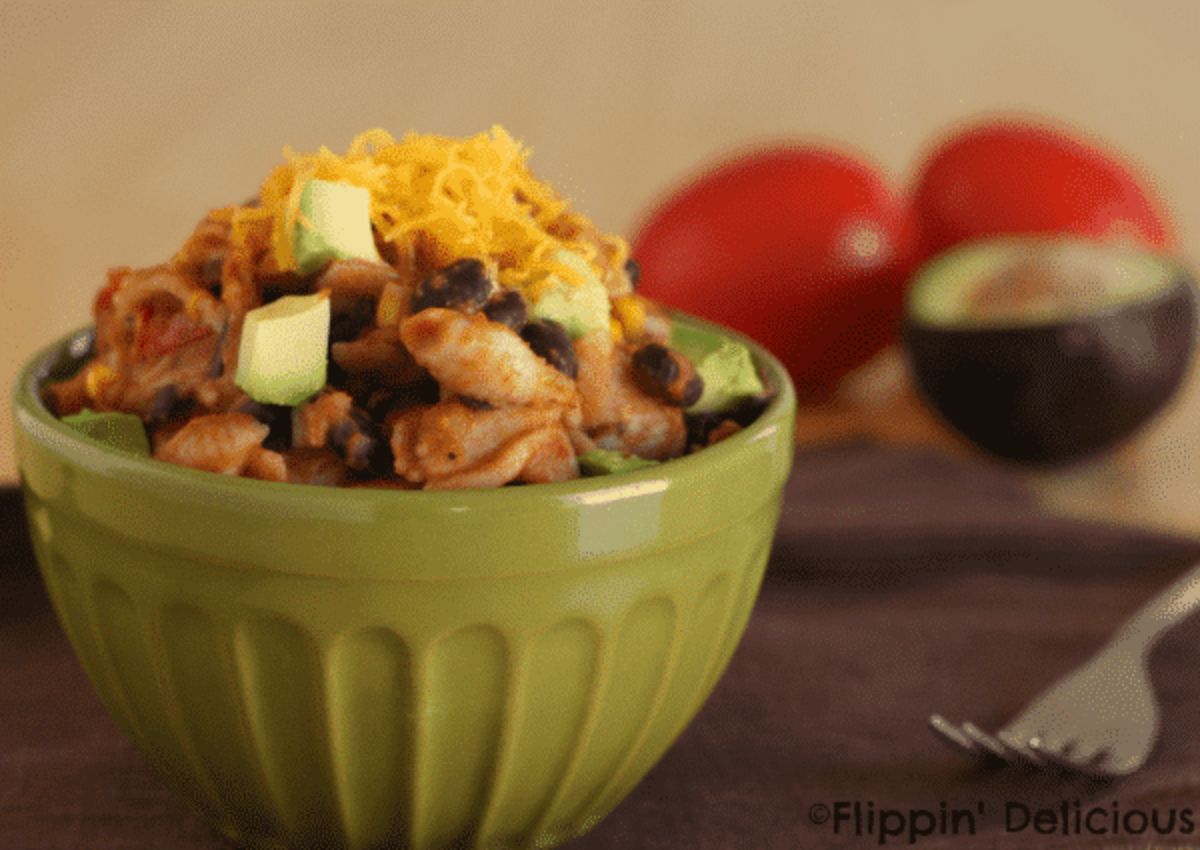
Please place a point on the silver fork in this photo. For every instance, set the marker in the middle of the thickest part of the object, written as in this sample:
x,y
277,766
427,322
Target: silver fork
x,y
1101,720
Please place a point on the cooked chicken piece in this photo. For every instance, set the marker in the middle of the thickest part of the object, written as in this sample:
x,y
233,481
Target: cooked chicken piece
x,y
203,253
218,442
172,291
450,440
187,369
155,329
356,277
267,466
380,354
220,393
137,387
331,420
478,358
312,423
553,461
315,466
616,413
537,453
597,356
652,433
404,427
454,437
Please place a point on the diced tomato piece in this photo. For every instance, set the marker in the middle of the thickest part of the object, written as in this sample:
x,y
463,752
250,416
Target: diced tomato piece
x,y
160,335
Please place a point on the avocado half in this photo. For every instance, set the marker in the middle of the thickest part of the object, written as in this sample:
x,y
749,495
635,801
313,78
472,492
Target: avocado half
x,y
1048,350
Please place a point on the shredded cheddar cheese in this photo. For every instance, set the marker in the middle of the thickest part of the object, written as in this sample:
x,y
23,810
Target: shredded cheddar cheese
x,y
450,198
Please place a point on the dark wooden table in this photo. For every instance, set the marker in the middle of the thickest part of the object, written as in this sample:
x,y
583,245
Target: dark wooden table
x,y
901,583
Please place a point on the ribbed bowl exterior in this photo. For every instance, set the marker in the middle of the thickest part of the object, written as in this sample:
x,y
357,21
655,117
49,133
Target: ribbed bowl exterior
x,y
383,724
323,668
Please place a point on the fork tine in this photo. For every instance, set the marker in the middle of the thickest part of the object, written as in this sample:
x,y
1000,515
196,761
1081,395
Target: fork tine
x,y
1064,758
1021,749
1091,765
1111,767
951,734
991,745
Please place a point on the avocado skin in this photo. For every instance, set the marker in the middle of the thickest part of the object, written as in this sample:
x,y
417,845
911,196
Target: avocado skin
x,y
1053,394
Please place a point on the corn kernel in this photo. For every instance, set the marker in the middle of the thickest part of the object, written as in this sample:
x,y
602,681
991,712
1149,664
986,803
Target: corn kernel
x,y
387,313
98,377
615,330
631,313
192,308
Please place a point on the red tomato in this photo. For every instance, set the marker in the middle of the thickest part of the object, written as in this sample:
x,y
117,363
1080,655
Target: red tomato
x,y
1013,176
805,249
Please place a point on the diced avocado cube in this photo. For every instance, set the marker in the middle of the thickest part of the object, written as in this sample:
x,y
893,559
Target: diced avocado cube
x,y
729,377
334,223
580,306
120,430
282,354
607,462
692,342
724,365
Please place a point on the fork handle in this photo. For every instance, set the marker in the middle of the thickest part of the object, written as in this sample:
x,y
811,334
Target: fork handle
x,y
1161,614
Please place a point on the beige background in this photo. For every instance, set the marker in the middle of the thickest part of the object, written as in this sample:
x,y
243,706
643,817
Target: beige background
x,y
124,121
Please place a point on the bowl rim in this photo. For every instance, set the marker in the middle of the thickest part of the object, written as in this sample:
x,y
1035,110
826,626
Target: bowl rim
x,y
33,417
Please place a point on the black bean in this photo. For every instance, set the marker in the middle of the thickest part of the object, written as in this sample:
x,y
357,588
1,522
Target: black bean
x,y
508,309
277,417
164,405
273,287
633,271
363,420
550,342
379,403
463,285
216,365
380,462
667,375
359,451
350,317
315,466
358,441
210,273
357,448
655,363
340,433
336,376
750,409
699,426
388,252
271,293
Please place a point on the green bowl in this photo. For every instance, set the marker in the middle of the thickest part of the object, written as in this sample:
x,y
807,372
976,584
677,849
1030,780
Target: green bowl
x,y
320,667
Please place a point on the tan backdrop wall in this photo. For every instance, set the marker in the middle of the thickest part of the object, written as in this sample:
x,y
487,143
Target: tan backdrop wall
x,y
124,121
